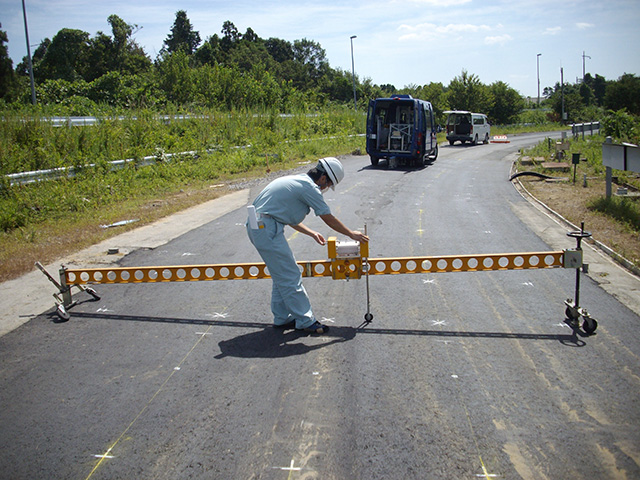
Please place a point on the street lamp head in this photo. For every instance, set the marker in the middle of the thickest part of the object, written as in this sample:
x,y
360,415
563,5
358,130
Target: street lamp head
x,y
353,36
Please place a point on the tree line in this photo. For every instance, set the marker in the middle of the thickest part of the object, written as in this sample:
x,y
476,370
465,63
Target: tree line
x,y
78,74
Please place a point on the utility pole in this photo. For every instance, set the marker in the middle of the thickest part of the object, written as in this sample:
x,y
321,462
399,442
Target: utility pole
x,y
26,33
562,90
583,57
538,69
353,76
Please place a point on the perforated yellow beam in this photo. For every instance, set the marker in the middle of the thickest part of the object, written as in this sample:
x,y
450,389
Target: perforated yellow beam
x,y
465,263
338,268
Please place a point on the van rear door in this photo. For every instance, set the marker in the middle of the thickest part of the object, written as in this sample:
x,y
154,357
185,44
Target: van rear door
x,y
371,132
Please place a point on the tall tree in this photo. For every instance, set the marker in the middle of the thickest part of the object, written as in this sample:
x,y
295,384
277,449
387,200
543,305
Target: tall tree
x,y
6,66
183,36
280,50
624,94
507,103
310,63
66,57
466,92
230,36
210,53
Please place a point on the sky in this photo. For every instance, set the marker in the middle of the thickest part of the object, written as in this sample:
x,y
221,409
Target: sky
x,y
398,42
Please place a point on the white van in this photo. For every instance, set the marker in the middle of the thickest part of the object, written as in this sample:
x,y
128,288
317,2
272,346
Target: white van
x,y
467,127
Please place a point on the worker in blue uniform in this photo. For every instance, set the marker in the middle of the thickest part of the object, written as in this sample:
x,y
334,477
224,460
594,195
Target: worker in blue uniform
x,y
287,201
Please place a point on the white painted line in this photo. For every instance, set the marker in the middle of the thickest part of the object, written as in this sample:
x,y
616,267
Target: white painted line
x,y
290,468
217,315
438,322
563,325
104,456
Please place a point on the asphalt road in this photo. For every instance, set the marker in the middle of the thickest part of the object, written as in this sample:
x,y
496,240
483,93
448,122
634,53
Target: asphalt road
x,y
460,375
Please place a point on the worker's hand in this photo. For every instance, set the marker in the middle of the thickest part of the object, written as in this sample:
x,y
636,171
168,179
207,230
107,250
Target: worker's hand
x,y
317,236
359,236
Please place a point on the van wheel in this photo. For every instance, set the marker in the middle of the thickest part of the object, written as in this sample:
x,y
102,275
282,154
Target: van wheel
x,y
486,138
475,140
451,142
374,160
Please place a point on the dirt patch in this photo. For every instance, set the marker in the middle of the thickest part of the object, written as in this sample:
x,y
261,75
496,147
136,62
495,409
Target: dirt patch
x,y
571,201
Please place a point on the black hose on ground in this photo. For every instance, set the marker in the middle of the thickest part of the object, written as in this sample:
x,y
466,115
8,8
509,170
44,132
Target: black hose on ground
x,y
534,174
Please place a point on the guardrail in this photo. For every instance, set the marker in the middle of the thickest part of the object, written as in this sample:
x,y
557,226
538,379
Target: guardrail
x,y
578,128
23,178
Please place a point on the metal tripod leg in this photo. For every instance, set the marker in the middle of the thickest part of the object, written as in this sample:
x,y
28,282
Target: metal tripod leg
x,y
64,298
368,317
573,310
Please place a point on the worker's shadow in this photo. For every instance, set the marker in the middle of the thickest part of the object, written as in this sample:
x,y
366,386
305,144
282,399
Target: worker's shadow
x,y
274,343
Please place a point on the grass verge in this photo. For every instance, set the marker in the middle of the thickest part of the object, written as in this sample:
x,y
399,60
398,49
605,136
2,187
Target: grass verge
x,y
614,222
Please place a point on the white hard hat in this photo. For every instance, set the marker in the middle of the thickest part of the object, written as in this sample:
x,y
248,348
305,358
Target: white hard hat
x,y
333,168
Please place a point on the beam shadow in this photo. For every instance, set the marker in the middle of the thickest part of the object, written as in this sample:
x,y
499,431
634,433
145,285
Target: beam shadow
x,y
347,333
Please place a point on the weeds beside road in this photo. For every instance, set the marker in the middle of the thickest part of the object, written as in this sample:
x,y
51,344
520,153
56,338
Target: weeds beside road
x,y
48,220
614,222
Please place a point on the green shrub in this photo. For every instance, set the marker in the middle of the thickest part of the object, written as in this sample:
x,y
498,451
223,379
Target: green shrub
x,y
621,209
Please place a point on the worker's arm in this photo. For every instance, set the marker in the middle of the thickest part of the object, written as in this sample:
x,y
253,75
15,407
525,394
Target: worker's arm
x,y
340,227
317,236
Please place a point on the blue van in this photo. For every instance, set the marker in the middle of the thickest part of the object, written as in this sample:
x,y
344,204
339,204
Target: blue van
x,y
401,129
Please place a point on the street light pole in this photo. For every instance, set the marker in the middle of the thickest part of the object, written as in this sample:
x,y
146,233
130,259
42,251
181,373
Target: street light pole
x,y
583,57
538,69
353,75
30,63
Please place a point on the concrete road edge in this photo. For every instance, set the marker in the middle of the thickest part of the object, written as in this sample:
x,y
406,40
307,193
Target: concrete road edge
x,y
30,295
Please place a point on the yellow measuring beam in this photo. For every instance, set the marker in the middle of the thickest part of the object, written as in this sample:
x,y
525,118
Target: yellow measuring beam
x,y
337,268
184,273
465,263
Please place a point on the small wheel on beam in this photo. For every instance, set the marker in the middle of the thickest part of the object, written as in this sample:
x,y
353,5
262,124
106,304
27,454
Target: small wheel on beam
x,y
368,317
93,293
62,313
589,325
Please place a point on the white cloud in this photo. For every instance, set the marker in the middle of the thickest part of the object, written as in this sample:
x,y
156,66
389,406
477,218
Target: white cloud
x,y
440,3
552,31
583,25
430,30
498,40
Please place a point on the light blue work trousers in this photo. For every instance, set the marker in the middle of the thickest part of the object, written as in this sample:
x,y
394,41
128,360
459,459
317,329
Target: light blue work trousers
x,y
289,299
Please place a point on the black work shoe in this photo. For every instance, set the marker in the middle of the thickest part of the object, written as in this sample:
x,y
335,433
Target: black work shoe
x,y
316,328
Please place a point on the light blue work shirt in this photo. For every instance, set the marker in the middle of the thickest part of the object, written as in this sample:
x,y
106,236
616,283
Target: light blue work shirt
x,y
289,199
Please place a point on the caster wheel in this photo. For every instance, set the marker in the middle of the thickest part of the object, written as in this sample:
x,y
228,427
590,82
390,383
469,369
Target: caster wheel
x,y
93,293
590,325
571,314
62,313
368,317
